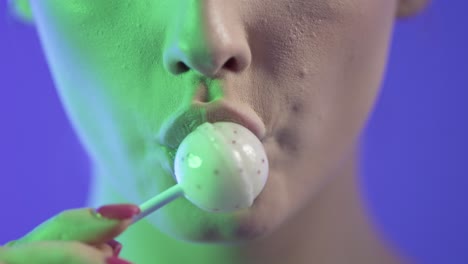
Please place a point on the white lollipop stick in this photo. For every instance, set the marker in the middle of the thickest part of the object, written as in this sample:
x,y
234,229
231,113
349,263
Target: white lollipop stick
x,y
159,201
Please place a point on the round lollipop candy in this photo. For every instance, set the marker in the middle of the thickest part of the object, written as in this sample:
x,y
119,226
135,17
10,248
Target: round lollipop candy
x,y
219,167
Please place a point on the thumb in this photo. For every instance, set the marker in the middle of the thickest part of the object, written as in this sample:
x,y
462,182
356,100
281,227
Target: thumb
x,y
85,225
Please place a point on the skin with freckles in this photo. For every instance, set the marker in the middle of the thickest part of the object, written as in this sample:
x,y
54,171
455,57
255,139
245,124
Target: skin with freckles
x,y
310,70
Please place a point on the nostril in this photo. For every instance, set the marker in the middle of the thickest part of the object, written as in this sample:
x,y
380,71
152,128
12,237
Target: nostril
x,y
181,67
231,64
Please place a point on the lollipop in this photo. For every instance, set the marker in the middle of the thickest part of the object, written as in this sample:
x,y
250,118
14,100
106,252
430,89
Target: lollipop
x,y
219,167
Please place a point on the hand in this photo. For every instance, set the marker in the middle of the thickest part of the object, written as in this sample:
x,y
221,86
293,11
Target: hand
x,y
78,236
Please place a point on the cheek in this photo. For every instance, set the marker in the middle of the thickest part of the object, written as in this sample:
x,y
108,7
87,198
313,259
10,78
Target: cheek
x,y
107,40
354,71
330,104
351,64
346,58
105,64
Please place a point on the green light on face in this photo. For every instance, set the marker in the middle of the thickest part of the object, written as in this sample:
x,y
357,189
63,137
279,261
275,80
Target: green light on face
x,y
194,161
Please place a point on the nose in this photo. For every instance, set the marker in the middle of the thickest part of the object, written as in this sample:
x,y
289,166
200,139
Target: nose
x,y
206,37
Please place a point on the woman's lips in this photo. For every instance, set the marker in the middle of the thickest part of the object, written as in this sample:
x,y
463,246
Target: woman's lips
x,y
180,124
183,122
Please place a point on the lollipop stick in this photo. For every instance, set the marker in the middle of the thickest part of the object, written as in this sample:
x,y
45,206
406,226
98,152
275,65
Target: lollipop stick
x,y
159,201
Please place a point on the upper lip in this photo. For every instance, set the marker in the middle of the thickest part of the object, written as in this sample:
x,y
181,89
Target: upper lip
x,y
183,122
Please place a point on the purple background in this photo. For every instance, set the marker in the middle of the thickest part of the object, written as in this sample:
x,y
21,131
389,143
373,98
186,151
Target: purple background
x,y
415,148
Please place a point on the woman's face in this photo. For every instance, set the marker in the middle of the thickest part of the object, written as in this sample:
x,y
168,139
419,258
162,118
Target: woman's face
x,y
309,70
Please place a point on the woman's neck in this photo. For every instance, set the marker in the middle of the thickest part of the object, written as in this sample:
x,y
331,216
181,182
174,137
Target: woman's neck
x,y
334,228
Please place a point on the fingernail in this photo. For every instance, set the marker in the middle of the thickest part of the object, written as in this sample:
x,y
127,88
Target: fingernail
x,y
118,211
116,247
116,260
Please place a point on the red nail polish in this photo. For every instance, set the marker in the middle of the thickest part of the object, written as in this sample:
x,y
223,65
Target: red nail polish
x,y
116,260
116,247
119,211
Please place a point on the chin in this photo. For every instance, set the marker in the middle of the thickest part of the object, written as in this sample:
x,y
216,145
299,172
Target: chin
x,y
183,221
211,228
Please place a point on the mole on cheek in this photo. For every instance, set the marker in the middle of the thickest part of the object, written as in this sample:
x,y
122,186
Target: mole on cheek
x,y
287,140
296,107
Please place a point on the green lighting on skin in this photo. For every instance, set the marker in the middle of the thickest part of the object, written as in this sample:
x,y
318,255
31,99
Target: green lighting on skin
x,y
116,48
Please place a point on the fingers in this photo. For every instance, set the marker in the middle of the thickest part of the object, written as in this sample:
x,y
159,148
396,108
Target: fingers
x,y
56,252
85,225
75,236
105,249
115,246
111,248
